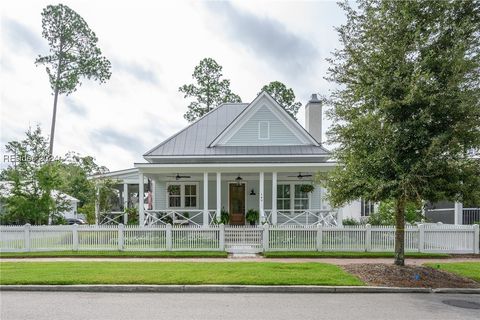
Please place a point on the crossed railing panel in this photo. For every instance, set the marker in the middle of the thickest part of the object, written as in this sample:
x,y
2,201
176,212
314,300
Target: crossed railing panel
x,y
301,217
176,217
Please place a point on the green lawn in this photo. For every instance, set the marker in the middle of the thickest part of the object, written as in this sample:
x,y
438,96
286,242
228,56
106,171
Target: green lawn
x,y
245,273
339,254
467,269
116,254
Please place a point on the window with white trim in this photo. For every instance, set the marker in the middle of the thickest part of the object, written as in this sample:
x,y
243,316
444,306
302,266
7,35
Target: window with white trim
x,y
367,208
182,195
190,196
283,196
288,200
301,198
263,130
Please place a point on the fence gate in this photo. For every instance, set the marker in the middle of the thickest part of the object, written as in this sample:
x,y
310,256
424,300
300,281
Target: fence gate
x,y
243,239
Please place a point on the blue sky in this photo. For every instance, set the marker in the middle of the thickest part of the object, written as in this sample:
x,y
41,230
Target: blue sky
x,y
153,47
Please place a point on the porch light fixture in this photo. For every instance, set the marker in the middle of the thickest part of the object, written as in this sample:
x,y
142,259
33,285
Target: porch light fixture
x,y
238,180
252,193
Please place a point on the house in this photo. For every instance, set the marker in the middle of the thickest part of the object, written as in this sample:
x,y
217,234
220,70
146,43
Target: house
x,y
237,157
70,212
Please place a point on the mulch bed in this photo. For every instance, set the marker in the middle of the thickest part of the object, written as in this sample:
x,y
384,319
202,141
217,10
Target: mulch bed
x,y
386,275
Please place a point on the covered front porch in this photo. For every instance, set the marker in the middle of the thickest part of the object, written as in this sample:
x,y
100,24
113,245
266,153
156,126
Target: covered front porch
x,y
277,194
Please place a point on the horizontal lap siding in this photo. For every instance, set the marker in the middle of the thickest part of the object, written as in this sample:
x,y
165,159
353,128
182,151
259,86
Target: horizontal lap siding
x,y
248,134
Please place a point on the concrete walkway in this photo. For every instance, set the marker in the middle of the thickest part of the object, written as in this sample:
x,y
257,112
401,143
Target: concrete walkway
x,y
336,261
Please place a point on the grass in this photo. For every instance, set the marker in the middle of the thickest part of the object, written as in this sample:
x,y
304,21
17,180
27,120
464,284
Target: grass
x,y
243,273
339,254
116,254
466,269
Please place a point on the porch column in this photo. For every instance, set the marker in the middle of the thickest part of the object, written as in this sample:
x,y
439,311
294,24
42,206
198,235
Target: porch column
x,y
141,212
154,194
219,195
205,198
260,197
125,203
458,214
274,198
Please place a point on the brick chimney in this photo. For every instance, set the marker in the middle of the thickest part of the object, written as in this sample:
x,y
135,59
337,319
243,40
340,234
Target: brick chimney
x,y
313,117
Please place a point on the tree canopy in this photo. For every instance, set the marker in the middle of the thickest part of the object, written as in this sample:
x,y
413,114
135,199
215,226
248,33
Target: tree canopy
x,y
35,182
209,91
73,54
284,96
407,108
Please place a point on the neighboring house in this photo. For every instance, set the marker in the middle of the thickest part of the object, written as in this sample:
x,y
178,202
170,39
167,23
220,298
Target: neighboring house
x,y
237,157
70,212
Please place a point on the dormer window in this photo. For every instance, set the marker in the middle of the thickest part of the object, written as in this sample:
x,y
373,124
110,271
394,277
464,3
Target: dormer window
x,y
263,130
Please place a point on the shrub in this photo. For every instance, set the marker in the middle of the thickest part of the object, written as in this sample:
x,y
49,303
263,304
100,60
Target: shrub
x,y
252,216
350,222
386,213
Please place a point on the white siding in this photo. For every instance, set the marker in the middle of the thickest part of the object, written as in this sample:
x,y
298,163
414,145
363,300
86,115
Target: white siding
x,y
279,133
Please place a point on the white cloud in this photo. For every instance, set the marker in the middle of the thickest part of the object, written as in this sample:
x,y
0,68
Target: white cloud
x,y
153,47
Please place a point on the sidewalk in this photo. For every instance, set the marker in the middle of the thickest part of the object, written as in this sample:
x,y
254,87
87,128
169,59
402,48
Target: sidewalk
x,y
336,261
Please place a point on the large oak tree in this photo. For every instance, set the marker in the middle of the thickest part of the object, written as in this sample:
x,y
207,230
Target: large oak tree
x,y
407,108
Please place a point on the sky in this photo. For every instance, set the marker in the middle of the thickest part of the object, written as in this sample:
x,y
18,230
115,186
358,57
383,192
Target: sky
x,y
153,47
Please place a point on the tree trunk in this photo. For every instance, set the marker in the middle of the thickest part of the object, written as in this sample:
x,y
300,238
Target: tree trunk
x,y
400,232
54,117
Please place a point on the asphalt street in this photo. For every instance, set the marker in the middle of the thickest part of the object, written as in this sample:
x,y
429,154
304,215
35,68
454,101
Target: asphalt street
x,y
81,305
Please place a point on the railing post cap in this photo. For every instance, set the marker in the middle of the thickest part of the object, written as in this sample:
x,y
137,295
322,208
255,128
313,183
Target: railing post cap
x,y
27,224
368,225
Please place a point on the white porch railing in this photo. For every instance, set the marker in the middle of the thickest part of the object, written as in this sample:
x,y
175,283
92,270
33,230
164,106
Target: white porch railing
x,y
176,217
303,217
113,217
422,238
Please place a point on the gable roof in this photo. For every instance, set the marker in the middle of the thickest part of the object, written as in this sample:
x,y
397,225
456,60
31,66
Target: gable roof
x,y
194,143
278,111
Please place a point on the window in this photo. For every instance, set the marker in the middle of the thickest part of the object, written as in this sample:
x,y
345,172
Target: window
x,y
367,207
182,195
301,198
287,200
263,130
174,196
283,196
190,196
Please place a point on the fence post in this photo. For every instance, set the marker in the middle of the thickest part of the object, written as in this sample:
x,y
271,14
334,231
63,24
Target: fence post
x,y
476,238
169,237
121,228
75,237
26,236
319,237
265,237
222,237
421,238
368,237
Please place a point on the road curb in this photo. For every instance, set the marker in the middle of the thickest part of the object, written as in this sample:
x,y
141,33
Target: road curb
x,y
230,289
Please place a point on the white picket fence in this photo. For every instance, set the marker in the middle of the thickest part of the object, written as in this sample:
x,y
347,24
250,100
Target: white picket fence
x,y
423,238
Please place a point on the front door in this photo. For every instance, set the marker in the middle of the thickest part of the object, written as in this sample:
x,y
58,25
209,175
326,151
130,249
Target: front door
x,y
237,203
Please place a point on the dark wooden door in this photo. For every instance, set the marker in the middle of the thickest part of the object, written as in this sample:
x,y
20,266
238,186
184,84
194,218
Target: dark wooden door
x,y
237,203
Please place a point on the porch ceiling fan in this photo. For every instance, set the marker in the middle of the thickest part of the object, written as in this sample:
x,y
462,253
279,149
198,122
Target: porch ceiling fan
x,y
178,177
300,176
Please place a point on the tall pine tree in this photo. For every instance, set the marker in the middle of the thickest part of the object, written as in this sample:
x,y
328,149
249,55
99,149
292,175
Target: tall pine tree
x,y
209,91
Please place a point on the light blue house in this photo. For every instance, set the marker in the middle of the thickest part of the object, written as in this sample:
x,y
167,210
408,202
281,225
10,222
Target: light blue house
x,y
235,158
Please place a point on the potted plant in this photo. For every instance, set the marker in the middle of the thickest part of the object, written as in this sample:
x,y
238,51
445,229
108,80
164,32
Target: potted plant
x,y
224,216
252,216
307,188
